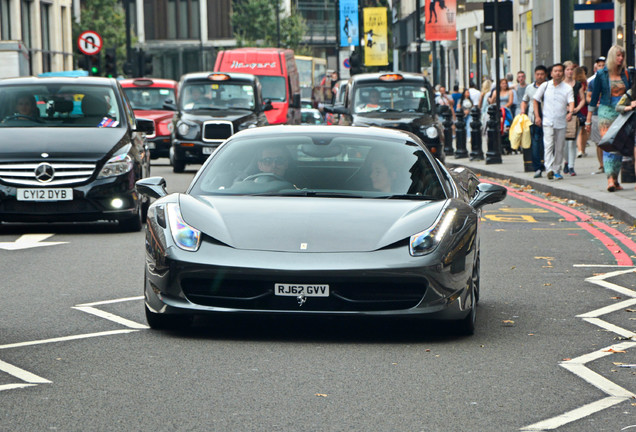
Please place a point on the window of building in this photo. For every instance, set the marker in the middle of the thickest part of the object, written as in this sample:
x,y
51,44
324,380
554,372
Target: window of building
x,y
25,12
5,21
172,19
45,15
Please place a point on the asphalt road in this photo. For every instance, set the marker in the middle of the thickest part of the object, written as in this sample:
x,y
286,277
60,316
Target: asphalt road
x,y
75,354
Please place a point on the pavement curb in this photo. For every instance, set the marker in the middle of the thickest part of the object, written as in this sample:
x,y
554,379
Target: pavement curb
x,y
619,208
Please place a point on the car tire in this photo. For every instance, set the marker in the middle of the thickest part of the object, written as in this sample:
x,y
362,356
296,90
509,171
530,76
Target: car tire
x,y
477,276
178,166
135,222
166,322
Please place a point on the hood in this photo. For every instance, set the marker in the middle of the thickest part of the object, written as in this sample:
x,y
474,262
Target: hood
x,y
156,115
86,144
325,224
200,116
394,120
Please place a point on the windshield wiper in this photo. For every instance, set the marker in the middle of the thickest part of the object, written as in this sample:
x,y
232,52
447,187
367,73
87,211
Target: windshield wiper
x,y
408,197
328,194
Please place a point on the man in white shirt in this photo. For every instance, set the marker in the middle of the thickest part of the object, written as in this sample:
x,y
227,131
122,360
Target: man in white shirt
x,y
475,95
558,104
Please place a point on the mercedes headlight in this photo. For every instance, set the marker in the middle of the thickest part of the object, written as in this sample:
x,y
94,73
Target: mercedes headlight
x,y
426,241
117,165
185,237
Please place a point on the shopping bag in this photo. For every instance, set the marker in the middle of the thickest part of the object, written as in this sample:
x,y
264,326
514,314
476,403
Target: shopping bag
x,y
619,138
572,128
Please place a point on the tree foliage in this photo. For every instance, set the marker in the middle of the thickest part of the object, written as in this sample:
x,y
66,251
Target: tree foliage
x,y
106,17
254,23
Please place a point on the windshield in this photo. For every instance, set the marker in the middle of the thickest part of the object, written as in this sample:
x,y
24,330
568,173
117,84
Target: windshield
x,y
273,88
395,96
324,164
217,95
58,105
149,98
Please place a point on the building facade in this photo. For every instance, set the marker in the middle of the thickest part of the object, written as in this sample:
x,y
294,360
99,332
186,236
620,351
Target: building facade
x,y
40,32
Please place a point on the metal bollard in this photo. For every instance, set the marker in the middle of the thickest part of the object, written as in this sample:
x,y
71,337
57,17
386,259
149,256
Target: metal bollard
x,y
627,170
460,136
448,129
493,155
476,153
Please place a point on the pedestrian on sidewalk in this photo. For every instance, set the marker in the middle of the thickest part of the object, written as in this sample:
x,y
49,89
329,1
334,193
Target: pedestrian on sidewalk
x,y
625,104
520,87
595,136
580,100
507,97
558,105
610,84
536,132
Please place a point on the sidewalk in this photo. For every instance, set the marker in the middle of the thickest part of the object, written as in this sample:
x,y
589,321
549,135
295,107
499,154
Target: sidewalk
x,y
585,187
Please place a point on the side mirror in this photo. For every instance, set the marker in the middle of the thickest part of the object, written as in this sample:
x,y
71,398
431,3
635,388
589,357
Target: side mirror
x,y
267,105
169,105
153,187
146,126
295,102
338,109
488,193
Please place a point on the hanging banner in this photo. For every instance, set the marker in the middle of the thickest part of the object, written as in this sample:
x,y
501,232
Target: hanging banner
x,y
599,16
349,33
440,20
376,49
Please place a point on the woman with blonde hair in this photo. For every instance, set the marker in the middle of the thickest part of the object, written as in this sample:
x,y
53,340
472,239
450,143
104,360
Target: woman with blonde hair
x,y
610,84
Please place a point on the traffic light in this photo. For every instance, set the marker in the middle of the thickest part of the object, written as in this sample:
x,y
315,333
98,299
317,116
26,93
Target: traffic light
x,y
95,65
147,65
110,63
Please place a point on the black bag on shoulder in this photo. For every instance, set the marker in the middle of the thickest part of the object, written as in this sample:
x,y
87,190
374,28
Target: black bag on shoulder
x,y
619,138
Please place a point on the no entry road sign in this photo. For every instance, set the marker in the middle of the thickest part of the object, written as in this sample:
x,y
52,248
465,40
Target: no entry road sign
x,y
90,42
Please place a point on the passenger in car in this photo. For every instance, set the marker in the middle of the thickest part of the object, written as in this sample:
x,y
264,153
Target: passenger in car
x,y
383,175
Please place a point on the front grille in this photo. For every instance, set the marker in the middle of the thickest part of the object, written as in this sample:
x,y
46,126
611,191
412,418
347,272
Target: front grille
x,y
346,294
65,173
217,130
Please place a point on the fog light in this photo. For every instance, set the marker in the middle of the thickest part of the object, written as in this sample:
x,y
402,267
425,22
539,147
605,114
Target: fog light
x,y
117,203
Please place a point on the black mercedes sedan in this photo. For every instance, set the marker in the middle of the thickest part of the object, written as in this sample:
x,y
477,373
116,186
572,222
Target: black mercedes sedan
x,y
312,220
212,107
396,100
71,150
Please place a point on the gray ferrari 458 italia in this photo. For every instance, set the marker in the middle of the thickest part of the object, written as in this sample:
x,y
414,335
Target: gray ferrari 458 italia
x,y
317,220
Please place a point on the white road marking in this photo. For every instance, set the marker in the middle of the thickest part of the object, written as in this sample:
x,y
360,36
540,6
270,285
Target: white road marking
x,y
27,241
616,393
31,379
119,300
65,338
21,374
574,415
111,317
602,265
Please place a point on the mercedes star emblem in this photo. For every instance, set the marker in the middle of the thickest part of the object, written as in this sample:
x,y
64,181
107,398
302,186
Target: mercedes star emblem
x,y
44,172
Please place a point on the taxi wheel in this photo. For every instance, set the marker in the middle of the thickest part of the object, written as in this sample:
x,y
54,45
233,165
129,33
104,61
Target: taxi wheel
x,y
178,166
133,223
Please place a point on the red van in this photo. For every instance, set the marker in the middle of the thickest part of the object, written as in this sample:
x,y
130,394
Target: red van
x,y
148,97
276,70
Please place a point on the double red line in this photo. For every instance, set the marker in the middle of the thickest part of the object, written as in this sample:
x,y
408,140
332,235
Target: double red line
x,y
603,232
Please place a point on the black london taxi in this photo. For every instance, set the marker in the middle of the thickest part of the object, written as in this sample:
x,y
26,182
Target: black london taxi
x,y
71,150
212,107
396,100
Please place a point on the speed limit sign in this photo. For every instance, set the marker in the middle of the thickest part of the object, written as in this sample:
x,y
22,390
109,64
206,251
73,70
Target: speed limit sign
x,y
90,42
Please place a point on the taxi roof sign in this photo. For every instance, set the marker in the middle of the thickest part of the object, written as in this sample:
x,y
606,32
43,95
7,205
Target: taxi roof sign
x,y
391,77
219,77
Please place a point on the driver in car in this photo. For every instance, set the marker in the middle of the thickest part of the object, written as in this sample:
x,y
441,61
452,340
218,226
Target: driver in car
x,y
26,106
273,160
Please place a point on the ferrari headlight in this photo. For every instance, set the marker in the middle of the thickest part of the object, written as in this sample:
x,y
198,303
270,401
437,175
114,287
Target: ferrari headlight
x,y
431,132
117,165
425,242
185,236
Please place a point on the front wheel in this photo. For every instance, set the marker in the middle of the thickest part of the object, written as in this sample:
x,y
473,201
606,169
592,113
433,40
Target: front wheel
x,y
178,166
